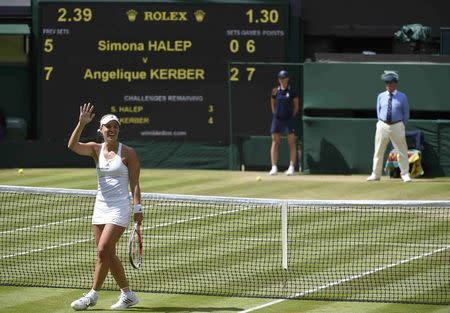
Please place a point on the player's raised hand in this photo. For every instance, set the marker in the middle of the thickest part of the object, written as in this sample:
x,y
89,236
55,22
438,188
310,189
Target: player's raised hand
x,y
86,114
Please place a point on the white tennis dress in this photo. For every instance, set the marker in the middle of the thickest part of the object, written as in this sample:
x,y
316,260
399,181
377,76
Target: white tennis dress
x,y
112,204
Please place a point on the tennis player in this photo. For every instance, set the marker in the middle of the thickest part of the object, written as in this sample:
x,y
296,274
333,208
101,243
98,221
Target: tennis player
x,y
117,167
285,106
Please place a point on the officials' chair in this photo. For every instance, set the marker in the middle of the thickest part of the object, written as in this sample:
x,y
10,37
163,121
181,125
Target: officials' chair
x,y
414,140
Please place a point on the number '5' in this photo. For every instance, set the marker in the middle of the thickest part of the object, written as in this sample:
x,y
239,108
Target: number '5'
x,y
48,45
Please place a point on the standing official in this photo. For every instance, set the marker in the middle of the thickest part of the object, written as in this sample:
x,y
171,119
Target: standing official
x,y
393,114
285,106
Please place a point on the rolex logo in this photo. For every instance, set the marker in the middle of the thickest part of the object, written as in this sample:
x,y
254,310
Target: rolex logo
x,y
132,15
199,15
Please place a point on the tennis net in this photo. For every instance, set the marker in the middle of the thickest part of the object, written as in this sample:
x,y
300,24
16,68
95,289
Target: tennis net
x,y
389,251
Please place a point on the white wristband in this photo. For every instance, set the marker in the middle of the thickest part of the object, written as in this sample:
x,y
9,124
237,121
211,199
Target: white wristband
x,y
138,208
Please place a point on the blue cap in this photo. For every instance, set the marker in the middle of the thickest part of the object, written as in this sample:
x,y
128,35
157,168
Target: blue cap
x,y
389,76
283,74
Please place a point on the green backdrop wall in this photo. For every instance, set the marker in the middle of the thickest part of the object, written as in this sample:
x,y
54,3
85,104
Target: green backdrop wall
x,y
346,145
15,89
356,85
339,114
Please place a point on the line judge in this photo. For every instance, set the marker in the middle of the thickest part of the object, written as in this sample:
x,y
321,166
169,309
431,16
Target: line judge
x,y
393,114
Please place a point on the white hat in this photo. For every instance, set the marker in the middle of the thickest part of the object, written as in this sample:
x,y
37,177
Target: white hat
x,y
108,118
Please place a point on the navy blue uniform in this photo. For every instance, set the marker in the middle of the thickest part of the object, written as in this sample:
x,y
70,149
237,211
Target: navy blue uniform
x,y
283,120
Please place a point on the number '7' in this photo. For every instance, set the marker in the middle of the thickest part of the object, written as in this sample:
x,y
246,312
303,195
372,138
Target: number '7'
x,y
48,71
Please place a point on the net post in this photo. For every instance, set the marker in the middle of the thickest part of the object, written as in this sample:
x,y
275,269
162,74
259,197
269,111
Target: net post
x,y
284,234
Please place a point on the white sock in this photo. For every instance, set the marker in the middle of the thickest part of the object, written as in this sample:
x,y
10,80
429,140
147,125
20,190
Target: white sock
x,y
92,292
129,292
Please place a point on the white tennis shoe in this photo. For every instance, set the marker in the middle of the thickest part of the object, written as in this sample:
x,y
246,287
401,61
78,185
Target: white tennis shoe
x,y
373,177
87,300
125,301
274,170
290,171
406,178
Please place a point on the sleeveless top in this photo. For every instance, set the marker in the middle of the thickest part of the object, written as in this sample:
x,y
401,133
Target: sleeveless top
x,y
112,193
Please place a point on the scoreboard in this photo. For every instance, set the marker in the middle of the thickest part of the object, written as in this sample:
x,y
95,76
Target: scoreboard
x,y
163,68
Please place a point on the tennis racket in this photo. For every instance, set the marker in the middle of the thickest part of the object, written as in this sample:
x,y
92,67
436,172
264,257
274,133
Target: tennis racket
x,y
135,246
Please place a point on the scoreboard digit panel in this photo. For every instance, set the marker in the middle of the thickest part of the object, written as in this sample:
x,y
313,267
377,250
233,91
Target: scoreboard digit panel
x,y
162,68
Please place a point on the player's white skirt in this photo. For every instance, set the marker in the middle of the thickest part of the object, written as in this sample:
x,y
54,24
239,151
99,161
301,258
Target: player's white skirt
x,y
111,212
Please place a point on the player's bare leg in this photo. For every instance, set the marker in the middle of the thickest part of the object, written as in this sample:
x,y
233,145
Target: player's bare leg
x,y
292,154
274,153
107,236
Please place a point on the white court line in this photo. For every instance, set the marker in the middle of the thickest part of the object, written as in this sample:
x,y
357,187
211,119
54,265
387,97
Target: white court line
x,y
90,216
174,237
44,225
345,280
46,248
366,243
128,231
197,218
340,243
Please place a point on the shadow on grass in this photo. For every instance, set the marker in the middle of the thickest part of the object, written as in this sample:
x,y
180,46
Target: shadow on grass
x,y
176,309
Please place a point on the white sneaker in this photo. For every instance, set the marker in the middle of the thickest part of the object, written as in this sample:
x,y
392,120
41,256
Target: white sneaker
x,y
87,300
125,301
406,178
373,177
274,170
290,171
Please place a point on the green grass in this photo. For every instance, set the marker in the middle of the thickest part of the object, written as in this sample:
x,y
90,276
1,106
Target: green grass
x,y
243,184
48,300
226,183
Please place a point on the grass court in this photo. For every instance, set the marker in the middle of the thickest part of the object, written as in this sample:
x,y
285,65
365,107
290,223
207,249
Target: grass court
x,y
219,183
